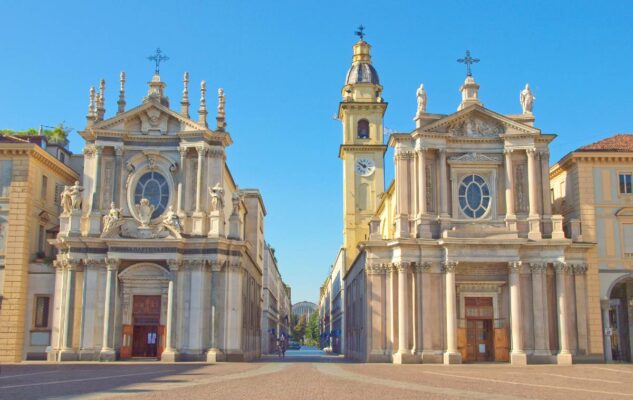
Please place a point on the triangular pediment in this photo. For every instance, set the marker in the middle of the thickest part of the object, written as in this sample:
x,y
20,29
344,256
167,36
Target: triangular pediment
x,y
149,118
476,121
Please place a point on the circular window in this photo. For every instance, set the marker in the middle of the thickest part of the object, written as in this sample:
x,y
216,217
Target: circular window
x,y
474,196
153,187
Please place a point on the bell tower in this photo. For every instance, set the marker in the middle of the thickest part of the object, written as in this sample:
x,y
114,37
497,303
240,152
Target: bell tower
x,y
361,112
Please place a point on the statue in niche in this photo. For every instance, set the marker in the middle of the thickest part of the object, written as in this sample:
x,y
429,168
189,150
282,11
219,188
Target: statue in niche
x,y
421,93
527,99
144,211
171,219
110,219
217,194
75,196
66,201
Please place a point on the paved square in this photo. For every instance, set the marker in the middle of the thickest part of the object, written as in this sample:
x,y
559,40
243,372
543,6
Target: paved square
x,y
312,375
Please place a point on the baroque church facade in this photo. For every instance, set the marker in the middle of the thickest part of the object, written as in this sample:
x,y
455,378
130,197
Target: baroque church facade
x,y
460,258
160,254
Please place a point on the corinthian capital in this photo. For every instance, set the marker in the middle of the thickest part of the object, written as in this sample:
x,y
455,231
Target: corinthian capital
x,y
449,266
112,263
514,266
538,268
579,269
561,267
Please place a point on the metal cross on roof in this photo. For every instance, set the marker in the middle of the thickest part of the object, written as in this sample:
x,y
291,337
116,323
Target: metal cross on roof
x,y
158,58
360,32
468,60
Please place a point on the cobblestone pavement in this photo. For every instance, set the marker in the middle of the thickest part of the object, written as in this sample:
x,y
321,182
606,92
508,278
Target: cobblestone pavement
x,y
313,375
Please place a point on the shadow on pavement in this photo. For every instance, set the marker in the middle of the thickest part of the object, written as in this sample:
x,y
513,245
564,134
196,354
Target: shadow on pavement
x,y
307,355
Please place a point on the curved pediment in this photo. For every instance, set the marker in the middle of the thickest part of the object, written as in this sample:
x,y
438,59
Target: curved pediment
x,y
624,212
477,122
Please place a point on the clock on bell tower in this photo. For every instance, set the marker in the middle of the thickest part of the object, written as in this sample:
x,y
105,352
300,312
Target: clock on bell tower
x,y
361,112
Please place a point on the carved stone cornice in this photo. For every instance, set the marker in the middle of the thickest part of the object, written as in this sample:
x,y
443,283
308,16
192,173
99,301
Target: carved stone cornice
x,y
449,266
91,262
561,267
538,267
404,155
193,263
514,266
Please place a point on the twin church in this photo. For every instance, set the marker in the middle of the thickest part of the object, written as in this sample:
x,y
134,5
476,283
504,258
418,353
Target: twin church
x,y
460,258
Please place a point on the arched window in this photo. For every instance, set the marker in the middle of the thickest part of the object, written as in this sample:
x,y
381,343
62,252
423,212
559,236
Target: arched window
x,y
363,129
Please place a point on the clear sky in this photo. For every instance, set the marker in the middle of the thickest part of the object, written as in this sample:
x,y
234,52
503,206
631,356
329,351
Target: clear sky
x,y
282,65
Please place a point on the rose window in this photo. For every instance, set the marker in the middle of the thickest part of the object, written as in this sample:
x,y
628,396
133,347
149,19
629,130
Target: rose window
x,y
474,196
153,187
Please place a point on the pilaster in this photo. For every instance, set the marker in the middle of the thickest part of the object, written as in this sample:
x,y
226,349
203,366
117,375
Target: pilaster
x,y
451,355
564,355
517,355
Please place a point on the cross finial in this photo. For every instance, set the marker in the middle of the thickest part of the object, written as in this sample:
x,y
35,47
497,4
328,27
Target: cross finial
x,y
468,60
158,58
360,32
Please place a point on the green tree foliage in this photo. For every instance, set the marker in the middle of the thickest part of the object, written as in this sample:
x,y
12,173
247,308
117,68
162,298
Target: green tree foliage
x,y
299,329
58,134
312,330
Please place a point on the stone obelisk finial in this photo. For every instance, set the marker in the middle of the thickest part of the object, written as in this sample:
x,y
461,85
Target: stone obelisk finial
x,y
202,111
101,101
121,102
184,103
92,108
221,117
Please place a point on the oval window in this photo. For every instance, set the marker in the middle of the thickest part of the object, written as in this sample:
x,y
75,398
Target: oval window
x,y
474,196
153,187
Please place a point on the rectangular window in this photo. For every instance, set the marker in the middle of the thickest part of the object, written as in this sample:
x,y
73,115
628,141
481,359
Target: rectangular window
x,y
41,311
626,181
44,186
562,189
6,172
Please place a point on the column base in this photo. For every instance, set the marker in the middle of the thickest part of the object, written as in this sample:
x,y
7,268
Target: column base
x,y
402,226
511,222
52,356
424,229
534,223
432,357
452,358
107,355
67,355
404,358
169,355
518,358
564,359
199,224
215,355
88,354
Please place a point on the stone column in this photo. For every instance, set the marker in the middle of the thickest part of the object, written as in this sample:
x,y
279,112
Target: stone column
x,y
402,193
87,349
170,354
533,217
517,356
540,314
606,327
511,219
118,153
580,271
403,355
564,355
451,356
443,185
181,189
424,227
201,152
67,352
107,349
547,200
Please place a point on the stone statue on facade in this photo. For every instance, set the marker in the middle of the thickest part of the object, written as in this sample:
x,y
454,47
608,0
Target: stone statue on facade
x,y
217,194
111,218
236,203
66,201
144,211
527,99
172,220
421,93
75,196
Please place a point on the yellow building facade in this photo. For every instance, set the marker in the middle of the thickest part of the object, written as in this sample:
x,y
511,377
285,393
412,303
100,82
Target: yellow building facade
x,y
591,188
30,178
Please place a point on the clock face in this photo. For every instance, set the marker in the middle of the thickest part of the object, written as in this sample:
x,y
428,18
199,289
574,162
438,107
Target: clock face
x,y
365,166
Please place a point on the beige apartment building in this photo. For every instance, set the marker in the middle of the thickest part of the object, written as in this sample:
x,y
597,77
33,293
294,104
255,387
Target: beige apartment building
x,y
592,188
32,174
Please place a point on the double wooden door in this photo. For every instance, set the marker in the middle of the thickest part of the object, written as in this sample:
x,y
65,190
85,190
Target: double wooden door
x,y
479,329
145,337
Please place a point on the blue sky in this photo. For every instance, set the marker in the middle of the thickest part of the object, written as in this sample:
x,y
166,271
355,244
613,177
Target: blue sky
x,y
282,65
